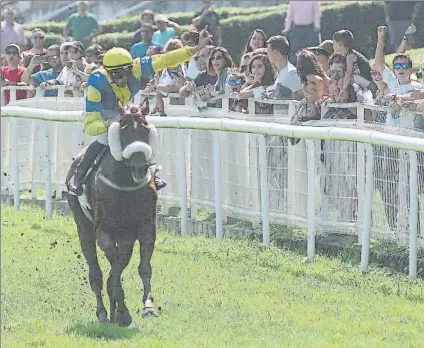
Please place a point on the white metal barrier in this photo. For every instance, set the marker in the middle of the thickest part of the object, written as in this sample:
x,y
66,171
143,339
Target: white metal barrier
x,y
243,168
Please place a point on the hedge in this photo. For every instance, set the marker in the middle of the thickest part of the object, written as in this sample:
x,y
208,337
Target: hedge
x,y
362,18
131,23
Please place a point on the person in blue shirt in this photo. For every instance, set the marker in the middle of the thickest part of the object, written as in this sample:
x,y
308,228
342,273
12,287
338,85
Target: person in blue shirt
x,y
139,49
166,30
56,56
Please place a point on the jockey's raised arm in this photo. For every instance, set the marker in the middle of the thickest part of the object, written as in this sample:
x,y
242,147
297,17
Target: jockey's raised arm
x,y
112,86
119,79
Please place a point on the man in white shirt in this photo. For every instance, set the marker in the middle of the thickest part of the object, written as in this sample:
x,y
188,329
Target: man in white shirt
x,y
288,84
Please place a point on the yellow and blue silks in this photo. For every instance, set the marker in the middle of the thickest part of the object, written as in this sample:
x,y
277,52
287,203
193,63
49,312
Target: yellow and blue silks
x,y
103,94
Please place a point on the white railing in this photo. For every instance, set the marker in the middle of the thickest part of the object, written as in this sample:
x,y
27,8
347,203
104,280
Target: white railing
x,y
242,168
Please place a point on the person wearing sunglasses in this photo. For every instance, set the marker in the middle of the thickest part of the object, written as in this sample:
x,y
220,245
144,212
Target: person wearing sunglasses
x,y
116,83
37,41
45,76
399,80
12,72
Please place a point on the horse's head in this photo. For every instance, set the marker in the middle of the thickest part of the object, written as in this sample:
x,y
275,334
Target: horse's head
x,y
131,140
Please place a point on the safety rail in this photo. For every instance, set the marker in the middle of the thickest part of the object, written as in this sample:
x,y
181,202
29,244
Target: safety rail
x,y
242,182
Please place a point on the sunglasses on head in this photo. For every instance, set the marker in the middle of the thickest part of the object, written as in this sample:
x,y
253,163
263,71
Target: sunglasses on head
x,y
234,82
398,66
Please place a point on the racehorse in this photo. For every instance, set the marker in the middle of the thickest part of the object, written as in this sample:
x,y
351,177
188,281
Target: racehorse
x,y
117,208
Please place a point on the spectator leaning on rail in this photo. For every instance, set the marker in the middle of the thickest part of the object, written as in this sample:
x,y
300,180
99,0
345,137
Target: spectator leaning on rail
x,y
399,80
116,83
11,31
82,25
56,56
11,74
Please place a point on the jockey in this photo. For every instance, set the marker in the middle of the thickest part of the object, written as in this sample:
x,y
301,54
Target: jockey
x,y
116,82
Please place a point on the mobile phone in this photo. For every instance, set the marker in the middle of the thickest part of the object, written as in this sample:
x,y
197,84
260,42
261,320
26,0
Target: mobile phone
x,y
48,58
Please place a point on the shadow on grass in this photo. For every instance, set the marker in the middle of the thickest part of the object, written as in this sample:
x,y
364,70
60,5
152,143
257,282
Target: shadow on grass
x,y
109,332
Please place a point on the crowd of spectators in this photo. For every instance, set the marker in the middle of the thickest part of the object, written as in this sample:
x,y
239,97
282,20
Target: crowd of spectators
x,y
294,65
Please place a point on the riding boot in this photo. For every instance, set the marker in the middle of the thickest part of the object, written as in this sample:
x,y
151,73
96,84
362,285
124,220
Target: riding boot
x,y
83,166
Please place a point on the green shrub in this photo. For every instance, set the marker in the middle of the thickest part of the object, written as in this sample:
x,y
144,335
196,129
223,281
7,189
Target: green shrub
x,y
132,22
362,18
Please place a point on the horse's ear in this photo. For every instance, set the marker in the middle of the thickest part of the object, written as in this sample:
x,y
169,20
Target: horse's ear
x,y
144,107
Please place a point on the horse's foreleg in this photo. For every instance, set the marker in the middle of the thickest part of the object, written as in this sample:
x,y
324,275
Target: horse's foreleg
x,y
147,245
88,246
119,257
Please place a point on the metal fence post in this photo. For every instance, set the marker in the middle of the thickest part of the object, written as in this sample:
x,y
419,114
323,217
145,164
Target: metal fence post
x,y
15,163
218,183
369,181
47,169
182,182
413,213
311,198
264,190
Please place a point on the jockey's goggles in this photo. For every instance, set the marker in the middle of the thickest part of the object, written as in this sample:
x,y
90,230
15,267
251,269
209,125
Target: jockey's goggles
x,y
119,73
398,66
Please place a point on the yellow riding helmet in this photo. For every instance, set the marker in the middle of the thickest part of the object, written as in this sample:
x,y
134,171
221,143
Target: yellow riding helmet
x,y
117,57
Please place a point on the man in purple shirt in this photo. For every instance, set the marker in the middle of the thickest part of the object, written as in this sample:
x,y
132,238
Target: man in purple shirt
x,y
303,22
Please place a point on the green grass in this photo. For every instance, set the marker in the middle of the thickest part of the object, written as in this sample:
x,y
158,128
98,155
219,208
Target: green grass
x,y
229,293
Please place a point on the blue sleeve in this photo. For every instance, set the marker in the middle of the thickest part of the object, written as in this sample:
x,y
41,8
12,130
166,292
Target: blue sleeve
x,y
133,51
38,77
146,67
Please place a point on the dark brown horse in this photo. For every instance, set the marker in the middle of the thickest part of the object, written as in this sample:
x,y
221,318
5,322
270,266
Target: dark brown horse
x,y
117,208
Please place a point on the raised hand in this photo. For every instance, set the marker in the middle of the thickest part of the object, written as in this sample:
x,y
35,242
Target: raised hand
x,y
381,31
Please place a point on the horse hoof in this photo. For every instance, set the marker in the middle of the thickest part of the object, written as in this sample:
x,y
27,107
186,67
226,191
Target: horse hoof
x,y
102,319
123,318
149,312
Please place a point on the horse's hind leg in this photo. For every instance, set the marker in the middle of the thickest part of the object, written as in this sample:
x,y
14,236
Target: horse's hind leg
x,y
88,246
147,244
119,256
